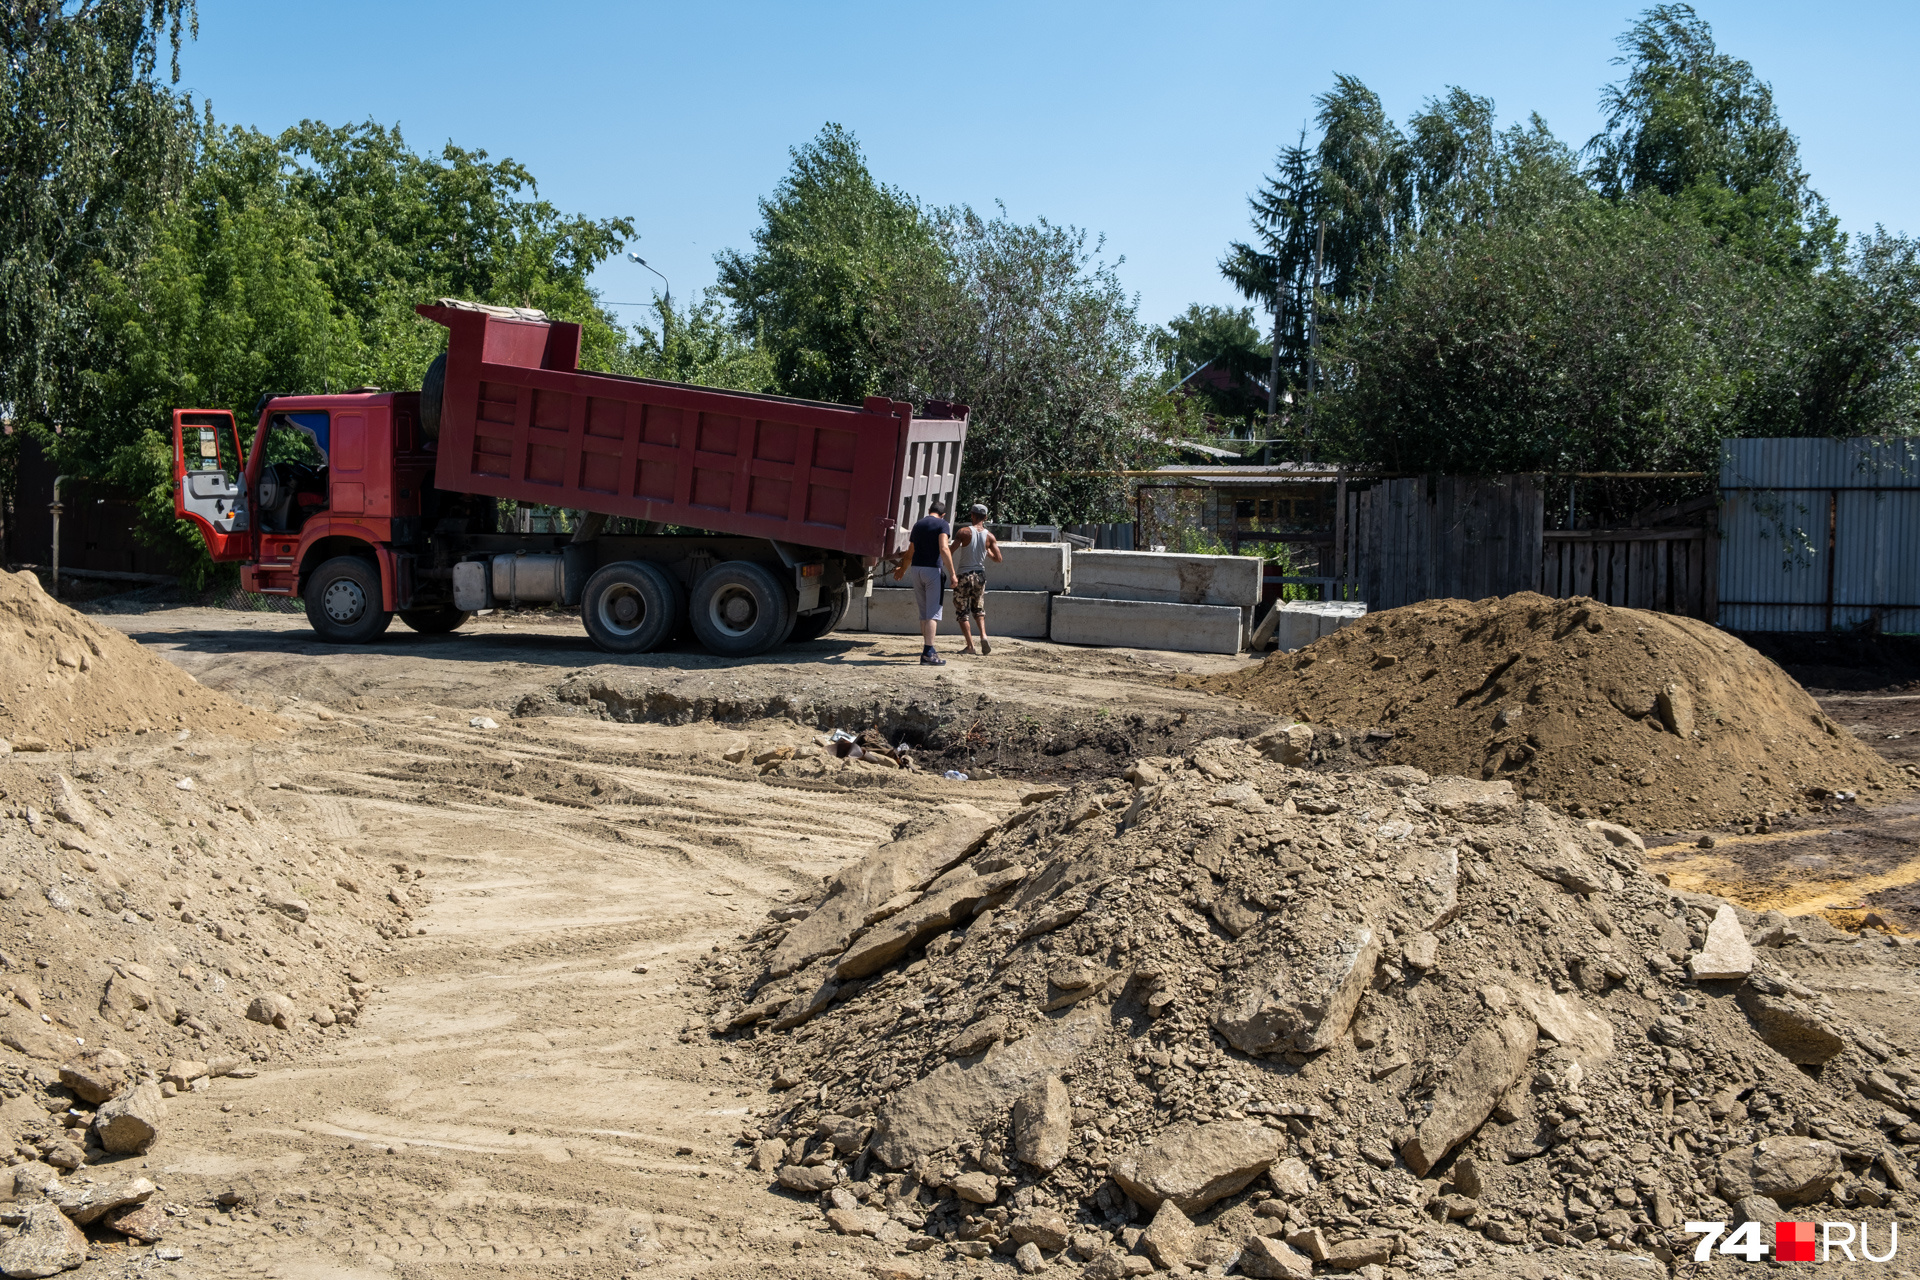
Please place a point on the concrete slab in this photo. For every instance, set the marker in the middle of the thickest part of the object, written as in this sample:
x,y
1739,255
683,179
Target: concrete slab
x,y
1167,576
1295,624
1019,615
856,619
1031,566
1147,624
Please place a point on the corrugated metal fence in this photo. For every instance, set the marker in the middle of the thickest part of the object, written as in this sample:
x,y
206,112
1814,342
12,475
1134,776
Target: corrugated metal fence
x,y
1820,535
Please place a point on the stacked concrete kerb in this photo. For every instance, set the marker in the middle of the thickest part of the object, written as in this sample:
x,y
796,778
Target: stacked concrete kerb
x,y
1159,600
1019,597
1298,623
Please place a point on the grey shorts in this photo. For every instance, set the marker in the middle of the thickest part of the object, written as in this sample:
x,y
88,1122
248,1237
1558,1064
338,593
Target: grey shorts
x,y
928,586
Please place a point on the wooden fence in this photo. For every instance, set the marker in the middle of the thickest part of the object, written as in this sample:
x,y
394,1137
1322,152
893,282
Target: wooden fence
x,y
1446,536
1667,570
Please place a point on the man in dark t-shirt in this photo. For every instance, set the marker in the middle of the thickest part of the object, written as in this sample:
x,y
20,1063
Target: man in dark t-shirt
x,y
927,565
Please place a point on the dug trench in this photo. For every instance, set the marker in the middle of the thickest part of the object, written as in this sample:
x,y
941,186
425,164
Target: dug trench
x,y
535,1081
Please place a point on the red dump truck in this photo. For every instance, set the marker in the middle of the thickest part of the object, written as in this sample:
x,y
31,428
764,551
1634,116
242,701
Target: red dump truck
x,y
748,520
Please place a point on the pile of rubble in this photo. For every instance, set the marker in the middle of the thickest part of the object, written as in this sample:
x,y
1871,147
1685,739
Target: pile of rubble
x,y
1227,1012
1646,718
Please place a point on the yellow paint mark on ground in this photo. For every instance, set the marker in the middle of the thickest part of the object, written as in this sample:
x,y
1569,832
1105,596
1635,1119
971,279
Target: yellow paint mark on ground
x,y
1710,871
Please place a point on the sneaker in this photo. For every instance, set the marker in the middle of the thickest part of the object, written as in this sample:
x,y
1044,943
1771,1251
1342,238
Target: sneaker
x,y
932,659
985,648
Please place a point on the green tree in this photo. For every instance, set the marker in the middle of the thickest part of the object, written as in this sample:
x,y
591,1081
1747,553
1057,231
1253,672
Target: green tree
x,y
91,143
698,345
1697,126
1222,340
1033,331
834,251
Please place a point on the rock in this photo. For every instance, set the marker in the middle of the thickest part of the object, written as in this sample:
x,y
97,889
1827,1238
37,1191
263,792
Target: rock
x,y
273,1009
1465,800
768,1153
1302,1002
1565,1018
1027,1258
1786,1169
1270,1259
182,1072
1114,1265
1309,1242
45,1245
977,1037
1466,1177
933,914
1170,1238
846,1133
977,1188
1421,951
1288,744
64,1155
1756,1209
1674,705
482,722
953,1104
855,1222
287,904
1618,836
31,1178
1047,1228
891,869
1043,1124
96,1075
1195,1165
1792,1028
1489,1064
1728,956
86,1201
1351,1255
1568,867
129,1124
812,1179
145,1222
734,755
1291,1178
126,994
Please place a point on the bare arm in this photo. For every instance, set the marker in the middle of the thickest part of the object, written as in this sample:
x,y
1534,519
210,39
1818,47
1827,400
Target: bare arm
x,y
993,549
946,556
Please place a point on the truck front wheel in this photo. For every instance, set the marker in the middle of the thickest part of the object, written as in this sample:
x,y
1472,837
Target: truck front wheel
x,y
343,601
435,622
739,610
632,606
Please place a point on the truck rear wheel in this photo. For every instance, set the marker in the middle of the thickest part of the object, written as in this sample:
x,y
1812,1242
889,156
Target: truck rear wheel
x,y
343,601
739,609
435,622
632,606
433,389
814,625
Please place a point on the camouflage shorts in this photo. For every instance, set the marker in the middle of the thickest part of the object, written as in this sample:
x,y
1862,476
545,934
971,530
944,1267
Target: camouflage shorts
x,y
970,597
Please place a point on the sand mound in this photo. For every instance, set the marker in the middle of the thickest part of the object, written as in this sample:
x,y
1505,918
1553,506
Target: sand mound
x,y
1236,1012
66,681
1647,718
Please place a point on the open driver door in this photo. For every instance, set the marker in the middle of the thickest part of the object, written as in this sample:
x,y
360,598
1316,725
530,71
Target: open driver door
x,y
207,469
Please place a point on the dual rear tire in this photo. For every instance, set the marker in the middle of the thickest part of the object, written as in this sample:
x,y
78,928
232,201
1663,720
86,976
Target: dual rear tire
x,y
736,609
633,606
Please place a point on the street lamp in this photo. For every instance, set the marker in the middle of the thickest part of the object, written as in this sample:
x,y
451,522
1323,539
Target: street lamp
x,y
643,262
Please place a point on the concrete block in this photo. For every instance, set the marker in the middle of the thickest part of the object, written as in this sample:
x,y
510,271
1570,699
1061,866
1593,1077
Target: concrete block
x,y
1298,623
1167,576
1018,615
1031,566
1146,624
856,619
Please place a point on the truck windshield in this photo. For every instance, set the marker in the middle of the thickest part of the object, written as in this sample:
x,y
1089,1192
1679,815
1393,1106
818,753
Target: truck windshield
x,y
298,437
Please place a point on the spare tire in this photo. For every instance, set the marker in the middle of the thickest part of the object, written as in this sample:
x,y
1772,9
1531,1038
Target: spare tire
x,y
433,388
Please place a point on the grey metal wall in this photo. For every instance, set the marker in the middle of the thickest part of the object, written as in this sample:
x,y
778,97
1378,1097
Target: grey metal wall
x,y
1820,535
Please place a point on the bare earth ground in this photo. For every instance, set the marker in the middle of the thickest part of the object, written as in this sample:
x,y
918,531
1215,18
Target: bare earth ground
x,y
520,1098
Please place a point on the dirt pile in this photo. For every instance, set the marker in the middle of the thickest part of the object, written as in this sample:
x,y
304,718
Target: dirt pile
x,y
1655,720
160,929
1228,1012
66,681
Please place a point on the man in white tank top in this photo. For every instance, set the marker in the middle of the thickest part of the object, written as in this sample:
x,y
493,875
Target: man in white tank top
x,y
973,546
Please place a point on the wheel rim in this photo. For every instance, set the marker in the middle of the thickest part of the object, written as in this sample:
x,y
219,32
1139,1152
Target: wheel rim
x,y
622,609
733,610
344,601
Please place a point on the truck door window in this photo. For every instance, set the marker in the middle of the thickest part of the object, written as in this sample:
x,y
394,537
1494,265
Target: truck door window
x,y
293,483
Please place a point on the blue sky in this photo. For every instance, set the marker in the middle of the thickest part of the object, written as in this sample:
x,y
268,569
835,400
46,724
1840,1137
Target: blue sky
x,y
1149,125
